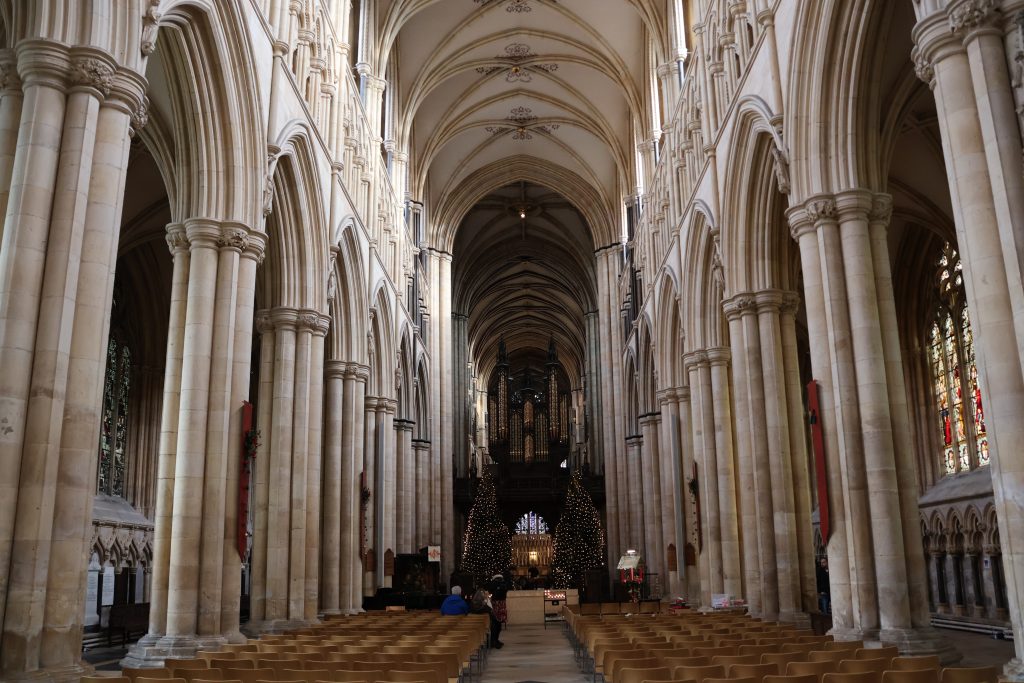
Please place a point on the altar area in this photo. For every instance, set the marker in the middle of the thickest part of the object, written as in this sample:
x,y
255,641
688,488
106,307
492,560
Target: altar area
x,y
529,606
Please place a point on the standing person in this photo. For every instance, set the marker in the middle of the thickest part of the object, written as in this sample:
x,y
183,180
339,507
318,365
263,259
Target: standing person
x,y
499,592
455,604
481,604
824,593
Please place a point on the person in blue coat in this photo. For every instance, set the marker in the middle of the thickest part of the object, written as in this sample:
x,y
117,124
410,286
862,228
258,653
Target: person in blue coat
x,y
455,604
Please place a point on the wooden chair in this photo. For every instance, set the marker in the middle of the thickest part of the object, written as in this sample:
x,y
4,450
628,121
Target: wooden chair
x,y
232,664
911,676
105,679
732,680
729,660
715,651
351,676
698,673
212,674
804,648
829,655
781,659
853,666
143,679
216,680
862,677
805,678
611,673
878,652
853,645
302,674
915,663
980,674
818,669
250,675
177,664
630,675
757,649
757,671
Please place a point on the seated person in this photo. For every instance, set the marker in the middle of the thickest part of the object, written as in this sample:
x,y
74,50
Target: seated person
x,y
455,604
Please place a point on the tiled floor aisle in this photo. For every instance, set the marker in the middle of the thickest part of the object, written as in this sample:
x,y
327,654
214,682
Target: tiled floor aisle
x,y
532,653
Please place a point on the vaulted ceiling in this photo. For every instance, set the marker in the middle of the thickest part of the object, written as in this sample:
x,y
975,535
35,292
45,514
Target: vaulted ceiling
x,y
501,97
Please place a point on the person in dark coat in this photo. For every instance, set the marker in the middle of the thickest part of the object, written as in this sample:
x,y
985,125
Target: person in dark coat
x,y
824,592
499,592
481,604
455,604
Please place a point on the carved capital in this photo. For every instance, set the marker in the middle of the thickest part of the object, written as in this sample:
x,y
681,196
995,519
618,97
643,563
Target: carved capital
x,y
821,208
695,359
335,369
739,305
968,15
769,300
233,238
719,355
9,79
307,320
90,72
881,209
283,318
923,67
262,322
790,303
177,240
139,117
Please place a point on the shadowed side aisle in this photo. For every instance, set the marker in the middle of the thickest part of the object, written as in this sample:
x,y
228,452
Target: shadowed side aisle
x,y
533,653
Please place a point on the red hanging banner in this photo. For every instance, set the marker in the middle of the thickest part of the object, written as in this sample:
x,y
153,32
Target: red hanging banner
x,y
249,443
818,444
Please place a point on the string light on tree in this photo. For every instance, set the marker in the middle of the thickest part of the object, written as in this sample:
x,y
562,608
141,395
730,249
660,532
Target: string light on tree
x,y
579,538
487,544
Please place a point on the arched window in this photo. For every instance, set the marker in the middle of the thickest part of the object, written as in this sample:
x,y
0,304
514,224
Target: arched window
x,y
114,426
961,416
531,523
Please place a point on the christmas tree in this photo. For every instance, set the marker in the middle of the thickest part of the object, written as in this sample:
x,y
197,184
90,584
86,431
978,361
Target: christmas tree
x,y
487,545
579,538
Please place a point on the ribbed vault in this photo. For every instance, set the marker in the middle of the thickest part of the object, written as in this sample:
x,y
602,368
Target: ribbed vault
x,y
523,271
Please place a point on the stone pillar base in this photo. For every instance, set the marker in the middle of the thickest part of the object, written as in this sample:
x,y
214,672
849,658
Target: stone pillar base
x,y
1014,670
843,634
68,673
921,641
152,650
801,620
254,629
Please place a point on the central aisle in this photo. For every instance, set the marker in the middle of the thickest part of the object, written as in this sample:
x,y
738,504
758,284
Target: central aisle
x,y
533,653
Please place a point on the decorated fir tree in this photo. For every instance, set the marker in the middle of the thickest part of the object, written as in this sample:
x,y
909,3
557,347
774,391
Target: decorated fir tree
x,y
487,545
579,538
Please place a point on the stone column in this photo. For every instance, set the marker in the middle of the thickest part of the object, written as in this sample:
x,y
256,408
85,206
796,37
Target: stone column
x,y
780,468
692,578
398,481
610,447
251,256
446,445
718,359
423,536
986,216
337,540
314,435
354,425
672,492
261,478
707,479
373,485
650,502
386,438
634,495
11,102
799,455
837,544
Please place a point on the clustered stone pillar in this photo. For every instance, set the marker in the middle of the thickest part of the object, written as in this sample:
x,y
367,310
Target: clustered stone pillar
x,y
196,564
650,502
284,590
959,51
64,117
848,299
400,483
356,462
422,532
673,493
341,574
772,457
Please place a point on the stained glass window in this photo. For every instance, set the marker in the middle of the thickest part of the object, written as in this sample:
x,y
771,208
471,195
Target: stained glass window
x,y
958,397
114,422
531,523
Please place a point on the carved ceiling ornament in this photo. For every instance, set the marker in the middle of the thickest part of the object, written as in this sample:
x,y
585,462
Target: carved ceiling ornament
x,y
512,6
515,55
523,121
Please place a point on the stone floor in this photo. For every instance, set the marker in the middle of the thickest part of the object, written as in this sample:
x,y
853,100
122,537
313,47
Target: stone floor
x,y
533,654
